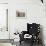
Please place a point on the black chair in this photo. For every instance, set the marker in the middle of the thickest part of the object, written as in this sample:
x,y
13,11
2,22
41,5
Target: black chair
x,y
32,29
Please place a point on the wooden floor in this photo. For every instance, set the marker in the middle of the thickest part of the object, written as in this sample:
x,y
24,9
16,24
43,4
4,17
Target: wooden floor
x,y
6,40
27,44
6,44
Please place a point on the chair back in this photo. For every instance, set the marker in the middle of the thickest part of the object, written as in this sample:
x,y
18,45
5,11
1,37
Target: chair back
x,y
33,28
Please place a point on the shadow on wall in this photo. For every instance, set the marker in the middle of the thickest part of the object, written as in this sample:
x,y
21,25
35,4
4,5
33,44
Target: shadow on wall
x,y
41,34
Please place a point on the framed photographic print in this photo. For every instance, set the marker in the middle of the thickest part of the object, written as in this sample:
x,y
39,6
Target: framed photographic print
x,y
20,13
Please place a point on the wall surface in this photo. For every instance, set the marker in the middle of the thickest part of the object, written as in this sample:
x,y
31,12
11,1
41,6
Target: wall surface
x,y
3,1
35,13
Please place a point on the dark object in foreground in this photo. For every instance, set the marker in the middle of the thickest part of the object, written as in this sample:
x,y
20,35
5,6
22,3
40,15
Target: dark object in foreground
x,y
42,1
33,30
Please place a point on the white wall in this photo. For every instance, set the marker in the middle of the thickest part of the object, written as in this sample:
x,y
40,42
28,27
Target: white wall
x,y
3,1
34,12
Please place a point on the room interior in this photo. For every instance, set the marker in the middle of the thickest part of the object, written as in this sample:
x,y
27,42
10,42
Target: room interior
x,y
14,16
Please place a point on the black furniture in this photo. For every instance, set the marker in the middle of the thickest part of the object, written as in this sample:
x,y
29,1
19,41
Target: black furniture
x,y
33,30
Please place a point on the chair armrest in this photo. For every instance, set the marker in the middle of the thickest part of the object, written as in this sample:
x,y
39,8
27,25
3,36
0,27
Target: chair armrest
x,y
22,35
24,32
